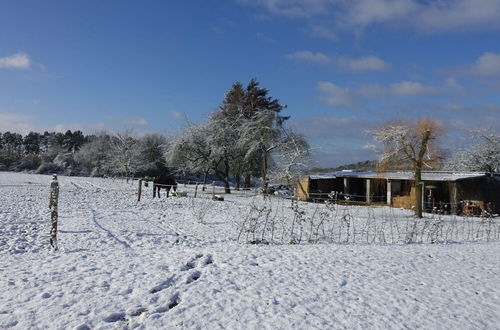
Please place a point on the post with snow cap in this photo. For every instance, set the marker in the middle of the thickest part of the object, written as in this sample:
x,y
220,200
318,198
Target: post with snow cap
x,y
54,197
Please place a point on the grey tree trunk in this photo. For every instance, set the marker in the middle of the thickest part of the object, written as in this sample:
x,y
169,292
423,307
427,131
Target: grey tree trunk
x,y
418,192
265,183
237,179
247,181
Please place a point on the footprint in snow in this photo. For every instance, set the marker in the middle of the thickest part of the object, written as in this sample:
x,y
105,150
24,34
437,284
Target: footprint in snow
x,y
209,260
82,327
193,277
189,265
115,317
192,263
138,311
173,302
165,284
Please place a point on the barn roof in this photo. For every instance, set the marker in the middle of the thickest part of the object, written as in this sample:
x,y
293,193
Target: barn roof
x,y
400,175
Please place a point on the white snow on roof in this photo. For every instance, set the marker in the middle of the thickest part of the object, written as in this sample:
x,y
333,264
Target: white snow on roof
x,y
401,175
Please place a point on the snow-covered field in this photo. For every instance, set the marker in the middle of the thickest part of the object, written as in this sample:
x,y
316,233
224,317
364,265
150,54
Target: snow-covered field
x,y
152,265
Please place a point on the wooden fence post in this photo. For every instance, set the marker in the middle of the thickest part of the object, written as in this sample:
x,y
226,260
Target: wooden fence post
x,y
139,190
196,190
54,199
213,190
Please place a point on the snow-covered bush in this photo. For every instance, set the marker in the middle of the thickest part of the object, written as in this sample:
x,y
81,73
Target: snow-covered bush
x,y
28,163
49,168
200,208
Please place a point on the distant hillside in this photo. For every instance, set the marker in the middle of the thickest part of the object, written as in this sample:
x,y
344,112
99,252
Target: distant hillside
x,y
367,165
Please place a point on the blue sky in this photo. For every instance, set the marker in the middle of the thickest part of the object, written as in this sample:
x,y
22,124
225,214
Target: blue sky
x,y
342,67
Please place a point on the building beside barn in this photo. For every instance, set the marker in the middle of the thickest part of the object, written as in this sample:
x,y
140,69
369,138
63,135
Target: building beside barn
x,y
469,193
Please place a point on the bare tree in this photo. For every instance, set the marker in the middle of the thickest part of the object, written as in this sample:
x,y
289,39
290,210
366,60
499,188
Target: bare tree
x,y
410,145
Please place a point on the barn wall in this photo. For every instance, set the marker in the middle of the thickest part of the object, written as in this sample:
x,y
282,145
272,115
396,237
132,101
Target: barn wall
x,y
302,188
405,201
319,189
378,190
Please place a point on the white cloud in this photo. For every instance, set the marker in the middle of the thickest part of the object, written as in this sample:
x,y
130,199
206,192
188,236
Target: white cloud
x,y
16,123
16,61
368,63
323,32
263,37
403,88
454,84
135,122
431,16
308,56
411,88
366,12
292,8
177,114
458,14
487,64
334,95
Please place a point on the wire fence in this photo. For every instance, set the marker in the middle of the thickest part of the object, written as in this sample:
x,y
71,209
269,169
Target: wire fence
x,y
294,222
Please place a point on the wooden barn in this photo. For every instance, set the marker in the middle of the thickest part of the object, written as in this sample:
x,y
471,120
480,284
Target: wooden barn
x,y
472,193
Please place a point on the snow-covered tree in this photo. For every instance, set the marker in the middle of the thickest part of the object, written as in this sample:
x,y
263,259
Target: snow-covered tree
x,y
483,155
95,156
12,147
261,129
191,150
410,145
31,143
153,149
293,157
73,141
125,154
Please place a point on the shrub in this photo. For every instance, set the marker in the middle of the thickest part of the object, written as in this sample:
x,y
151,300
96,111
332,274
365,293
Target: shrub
x,y
49,168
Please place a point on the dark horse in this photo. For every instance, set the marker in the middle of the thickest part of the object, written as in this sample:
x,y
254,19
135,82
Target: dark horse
x,y
161,176
163,181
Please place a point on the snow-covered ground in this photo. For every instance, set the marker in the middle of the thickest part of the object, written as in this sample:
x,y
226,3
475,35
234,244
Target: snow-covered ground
x,y
152,264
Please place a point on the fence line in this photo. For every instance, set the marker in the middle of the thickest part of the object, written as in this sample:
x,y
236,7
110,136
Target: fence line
x,y
274,222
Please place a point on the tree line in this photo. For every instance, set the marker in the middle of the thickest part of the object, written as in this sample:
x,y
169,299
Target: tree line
x,y
244,139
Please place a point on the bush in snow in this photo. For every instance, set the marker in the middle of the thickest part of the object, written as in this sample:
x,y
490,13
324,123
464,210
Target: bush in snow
x,y
49,168
200,207
28,163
